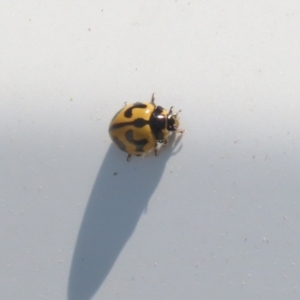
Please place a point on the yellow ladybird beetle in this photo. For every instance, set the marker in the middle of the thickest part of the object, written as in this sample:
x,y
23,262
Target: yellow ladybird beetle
x,y
138,128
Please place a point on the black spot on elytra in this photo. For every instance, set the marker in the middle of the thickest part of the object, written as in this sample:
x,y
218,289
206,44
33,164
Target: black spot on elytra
x,y
128,112
139,144
139,123
136,123
119,143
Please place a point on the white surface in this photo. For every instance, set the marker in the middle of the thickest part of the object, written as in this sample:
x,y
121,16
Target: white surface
x,y
219,219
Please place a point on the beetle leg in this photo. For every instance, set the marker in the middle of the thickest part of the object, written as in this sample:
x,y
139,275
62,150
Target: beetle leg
x,y
128,157
155,150
153,98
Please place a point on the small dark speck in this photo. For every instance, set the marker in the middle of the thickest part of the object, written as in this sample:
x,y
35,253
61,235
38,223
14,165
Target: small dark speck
x,y
245,240
89,29
115,173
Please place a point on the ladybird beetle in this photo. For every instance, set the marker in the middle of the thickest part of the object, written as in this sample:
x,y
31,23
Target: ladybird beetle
x,y
138,128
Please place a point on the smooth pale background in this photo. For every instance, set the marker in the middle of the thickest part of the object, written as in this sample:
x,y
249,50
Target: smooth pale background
x,y
215,215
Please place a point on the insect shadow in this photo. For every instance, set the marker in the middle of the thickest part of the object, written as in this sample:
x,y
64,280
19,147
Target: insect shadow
x,y
119,196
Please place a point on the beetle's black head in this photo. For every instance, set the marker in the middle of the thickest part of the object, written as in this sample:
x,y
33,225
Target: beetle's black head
x,y
172,122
